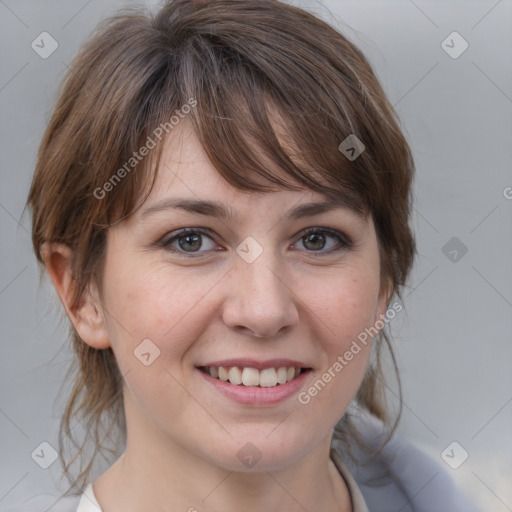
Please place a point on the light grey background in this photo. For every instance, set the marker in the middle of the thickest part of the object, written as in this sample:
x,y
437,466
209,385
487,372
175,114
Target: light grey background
x,y
454,343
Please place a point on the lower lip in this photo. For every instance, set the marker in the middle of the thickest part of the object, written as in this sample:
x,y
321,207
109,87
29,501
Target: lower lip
x,y
255,395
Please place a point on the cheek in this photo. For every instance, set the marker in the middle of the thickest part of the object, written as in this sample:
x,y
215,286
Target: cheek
x,y
342,309
171,312
346,305
169,309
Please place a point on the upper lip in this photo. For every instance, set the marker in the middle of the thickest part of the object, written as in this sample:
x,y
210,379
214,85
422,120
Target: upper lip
x,y
258,364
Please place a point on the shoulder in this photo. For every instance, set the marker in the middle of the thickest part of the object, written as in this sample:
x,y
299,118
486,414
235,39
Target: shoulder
x,y
46,503
401,476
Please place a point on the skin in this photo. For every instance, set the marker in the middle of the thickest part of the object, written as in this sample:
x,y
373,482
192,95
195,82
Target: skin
x,y
294,302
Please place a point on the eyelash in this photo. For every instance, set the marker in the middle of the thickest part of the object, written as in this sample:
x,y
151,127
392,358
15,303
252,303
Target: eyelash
x,y
343,241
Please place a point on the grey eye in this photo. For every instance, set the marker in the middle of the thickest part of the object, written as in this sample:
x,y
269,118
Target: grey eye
x,y
190,242
323,240
314,241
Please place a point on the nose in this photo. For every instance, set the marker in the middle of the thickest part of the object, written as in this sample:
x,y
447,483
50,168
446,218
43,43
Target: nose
x,y
259,301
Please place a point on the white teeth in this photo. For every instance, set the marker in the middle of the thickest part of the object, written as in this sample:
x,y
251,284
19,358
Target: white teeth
x,y
281,375
266,378
250,377
223,374
235,375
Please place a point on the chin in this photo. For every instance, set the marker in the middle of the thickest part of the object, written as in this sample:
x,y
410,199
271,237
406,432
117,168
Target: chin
x,y
256,451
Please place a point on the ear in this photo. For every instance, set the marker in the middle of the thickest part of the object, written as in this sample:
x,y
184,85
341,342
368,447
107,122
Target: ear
x,y
87,318
384,298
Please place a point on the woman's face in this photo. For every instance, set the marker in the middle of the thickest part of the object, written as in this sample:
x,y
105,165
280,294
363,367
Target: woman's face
x,y
261,281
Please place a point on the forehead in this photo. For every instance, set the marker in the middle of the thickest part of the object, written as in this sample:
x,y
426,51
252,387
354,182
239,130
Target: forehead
x,y
188,182
184,165
186,172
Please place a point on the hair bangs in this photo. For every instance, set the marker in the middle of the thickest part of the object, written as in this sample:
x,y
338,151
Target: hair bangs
x,y
268,138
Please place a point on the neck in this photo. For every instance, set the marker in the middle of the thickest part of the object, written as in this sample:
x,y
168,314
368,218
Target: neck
x,y
155,473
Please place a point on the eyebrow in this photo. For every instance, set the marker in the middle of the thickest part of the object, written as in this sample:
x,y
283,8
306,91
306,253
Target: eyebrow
x,y
225,212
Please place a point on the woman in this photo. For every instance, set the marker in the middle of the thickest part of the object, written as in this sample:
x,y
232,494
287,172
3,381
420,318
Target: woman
x,y
221,200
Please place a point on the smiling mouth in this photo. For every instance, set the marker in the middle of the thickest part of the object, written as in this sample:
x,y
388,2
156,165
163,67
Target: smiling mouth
x,y
252,377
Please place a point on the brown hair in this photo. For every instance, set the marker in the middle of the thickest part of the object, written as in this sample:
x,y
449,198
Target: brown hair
x,y
241,63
